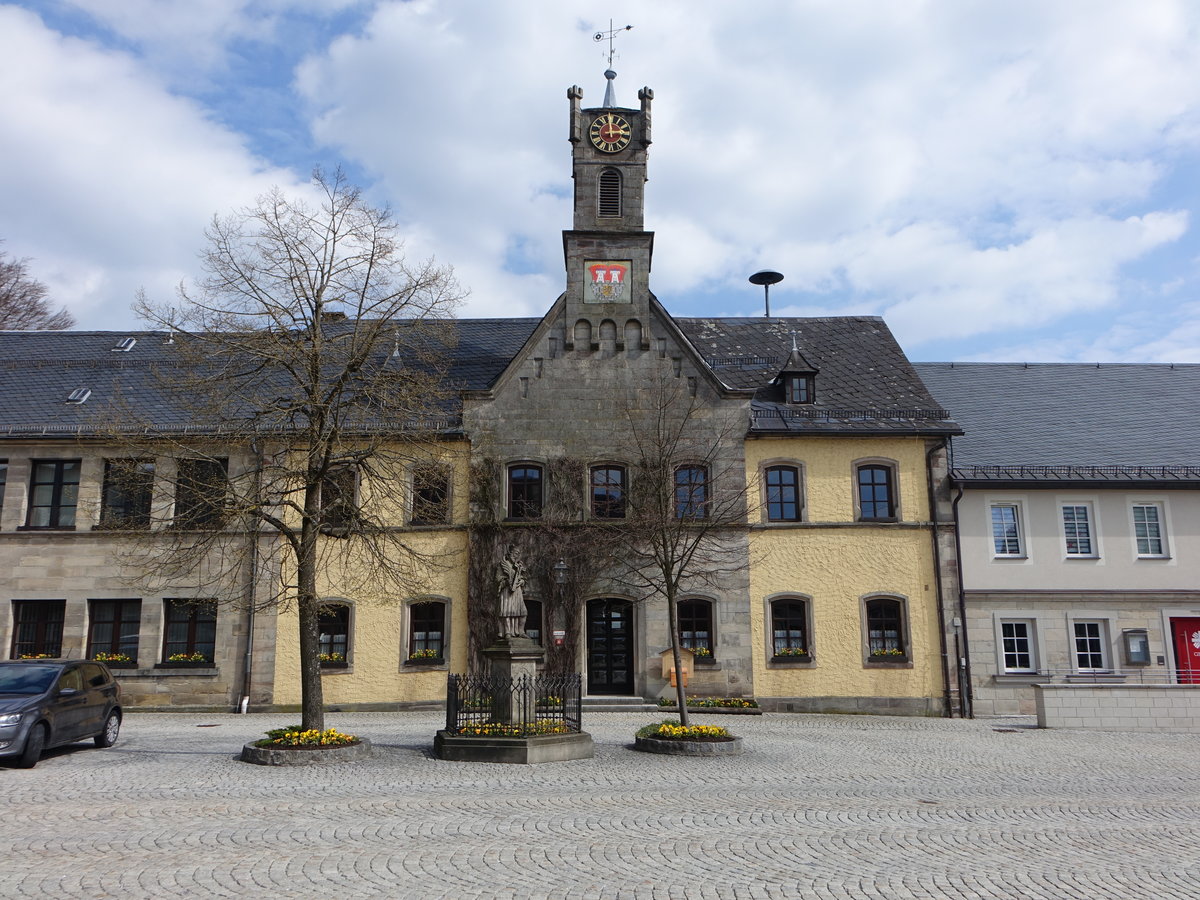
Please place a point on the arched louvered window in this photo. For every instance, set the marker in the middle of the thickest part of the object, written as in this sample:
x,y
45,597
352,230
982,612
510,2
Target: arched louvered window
x,y
610,194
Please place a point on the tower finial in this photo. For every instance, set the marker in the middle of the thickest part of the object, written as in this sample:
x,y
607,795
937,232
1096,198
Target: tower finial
x,y
610,95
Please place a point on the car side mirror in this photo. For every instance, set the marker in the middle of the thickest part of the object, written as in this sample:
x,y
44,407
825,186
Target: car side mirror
x,y
68,692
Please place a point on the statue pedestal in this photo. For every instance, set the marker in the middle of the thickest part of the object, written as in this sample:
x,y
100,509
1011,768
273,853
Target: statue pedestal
x,y
515,659
511,690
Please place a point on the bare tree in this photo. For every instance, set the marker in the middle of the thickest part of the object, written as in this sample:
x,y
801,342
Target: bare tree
x,y
315,353
686,513
23,304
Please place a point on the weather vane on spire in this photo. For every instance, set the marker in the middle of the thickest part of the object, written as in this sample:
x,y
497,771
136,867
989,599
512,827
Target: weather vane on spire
x,y
608,36
610,97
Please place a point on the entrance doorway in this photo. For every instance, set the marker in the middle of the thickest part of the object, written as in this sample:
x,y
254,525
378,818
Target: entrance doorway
x,y
610,647
1185,635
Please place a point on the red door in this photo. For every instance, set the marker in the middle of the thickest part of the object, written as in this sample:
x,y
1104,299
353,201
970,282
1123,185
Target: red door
x,y
1186,636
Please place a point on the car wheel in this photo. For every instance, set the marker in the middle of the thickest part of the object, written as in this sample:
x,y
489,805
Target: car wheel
x,y
112,727
34,745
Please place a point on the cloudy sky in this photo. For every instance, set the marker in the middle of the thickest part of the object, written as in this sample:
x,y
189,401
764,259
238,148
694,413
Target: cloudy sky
x,y
1011,180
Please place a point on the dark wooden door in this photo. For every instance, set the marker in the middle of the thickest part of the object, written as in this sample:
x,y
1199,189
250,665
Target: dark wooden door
x,y
1186,637
610,647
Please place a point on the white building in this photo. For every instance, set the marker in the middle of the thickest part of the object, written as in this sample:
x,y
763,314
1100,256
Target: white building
x,y
1078,514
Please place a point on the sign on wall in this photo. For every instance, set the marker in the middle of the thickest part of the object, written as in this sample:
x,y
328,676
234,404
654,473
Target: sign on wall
x,y
607,281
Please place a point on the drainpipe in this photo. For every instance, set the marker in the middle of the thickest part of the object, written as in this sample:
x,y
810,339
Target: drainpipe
x,y
937,572
248,662
967,695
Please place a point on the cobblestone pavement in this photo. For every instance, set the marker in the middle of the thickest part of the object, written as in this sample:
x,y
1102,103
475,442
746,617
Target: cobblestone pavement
x,y
817,806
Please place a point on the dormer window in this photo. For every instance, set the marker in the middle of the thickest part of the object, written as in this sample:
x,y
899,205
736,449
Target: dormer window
x,y
798,388
608,204
798,377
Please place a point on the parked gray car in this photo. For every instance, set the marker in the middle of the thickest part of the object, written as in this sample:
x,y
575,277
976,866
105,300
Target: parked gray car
x,y
46,703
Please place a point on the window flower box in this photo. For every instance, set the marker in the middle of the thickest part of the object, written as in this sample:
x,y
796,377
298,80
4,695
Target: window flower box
x,y
791,658
792,654
186,661
333,660
125,663
184,665
425,658
888,658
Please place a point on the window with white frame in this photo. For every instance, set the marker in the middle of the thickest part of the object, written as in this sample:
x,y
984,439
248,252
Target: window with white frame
x,y
1091,646
1148,529
1018,651
1007,539
1077,529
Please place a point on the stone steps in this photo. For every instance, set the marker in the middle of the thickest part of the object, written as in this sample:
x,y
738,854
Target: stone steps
x,y
617,704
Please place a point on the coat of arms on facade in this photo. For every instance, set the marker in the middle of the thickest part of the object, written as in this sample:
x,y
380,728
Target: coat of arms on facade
x,y
608,281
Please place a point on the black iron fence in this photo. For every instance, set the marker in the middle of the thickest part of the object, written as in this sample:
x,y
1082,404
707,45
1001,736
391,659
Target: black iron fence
x,y
513,707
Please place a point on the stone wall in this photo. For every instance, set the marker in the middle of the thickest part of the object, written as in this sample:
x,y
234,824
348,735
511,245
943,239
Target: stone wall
x,y
1126,707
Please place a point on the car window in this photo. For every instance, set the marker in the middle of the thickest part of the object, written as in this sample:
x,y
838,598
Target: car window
x,y
26,679
94,676
70,680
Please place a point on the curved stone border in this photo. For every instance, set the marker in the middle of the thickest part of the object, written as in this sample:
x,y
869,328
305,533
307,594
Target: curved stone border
x,y
540,748
300,756
688,748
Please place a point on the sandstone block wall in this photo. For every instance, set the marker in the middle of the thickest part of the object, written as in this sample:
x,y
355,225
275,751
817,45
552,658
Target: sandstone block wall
x,y
1127,707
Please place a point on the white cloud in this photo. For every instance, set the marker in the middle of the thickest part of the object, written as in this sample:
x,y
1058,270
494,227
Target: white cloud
x,y
109,179
966,168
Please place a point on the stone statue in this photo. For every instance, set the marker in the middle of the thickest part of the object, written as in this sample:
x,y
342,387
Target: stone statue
x,y
510,579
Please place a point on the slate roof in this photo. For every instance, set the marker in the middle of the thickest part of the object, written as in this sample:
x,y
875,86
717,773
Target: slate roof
x,y
865,384
40,369
1071,422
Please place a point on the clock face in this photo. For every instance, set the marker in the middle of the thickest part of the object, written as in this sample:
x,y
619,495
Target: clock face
x,y
610,133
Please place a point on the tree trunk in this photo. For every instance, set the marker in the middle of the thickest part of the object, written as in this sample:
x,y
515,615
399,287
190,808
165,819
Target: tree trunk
x,y
680,690
312,698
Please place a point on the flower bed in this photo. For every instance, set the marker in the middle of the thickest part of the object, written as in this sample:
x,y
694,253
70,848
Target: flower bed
x,y
296,736
670,730
293,746
502,729
713,702
671,738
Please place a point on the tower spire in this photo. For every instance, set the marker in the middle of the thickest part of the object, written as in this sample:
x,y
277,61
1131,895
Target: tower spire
x,y
610,95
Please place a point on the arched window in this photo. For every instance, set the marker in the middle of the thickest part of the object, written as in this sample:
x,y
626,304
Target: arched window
x,y
524,491
876,486
426,632
885,630
608,492
789,629
783,493
608,203
695,627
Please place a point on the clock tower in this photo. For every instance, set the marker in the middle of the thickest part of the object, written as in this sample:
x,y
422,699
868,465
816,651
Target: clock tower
x,y
608,251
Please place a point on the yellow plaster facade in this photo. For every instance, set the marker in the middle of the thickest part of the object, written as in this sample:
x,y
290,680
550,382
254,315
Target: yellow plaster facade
x,y
377,673
835,563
